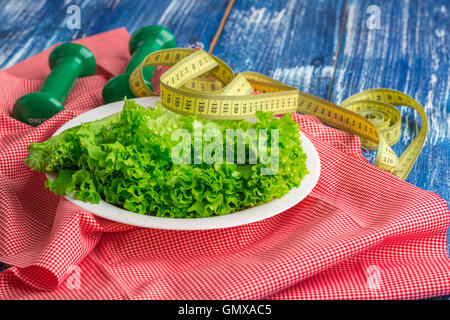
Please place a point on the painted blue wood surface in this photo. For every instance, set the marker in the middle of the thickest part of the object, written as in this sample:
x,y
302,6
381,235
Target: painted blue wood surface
x,y
34,25
409,52
295,41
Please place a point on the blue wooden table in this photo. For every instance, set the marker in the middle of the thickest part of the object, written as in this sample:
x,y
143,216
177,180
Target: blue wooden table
x,y
328,48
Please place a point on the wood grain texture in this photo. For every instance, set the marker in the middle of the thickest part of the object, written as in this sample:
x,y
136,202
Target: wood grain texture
x,y
293,41
34,25
409,53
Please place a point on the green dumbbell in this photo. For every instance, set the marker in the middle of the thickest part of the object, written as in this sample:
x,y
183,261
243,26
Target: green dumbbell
x,y
143,42
68,62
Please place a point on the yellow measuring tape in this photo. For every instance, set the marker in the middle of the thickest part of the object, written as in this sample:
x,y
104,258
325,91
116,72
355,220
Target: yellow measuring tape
x,y
201,84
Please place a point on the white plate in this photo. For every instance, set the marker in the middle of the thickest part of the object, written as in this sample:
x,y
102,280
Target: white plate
x,y
269,209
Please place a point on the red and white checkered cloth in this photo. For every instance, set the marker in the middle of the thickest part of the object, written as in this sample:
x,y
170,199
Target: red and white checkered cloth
x,y
361,233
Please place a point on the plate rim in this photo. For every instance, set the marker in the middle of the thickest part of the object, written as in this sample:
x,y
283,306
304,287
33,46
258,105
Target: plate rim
x,y
114,213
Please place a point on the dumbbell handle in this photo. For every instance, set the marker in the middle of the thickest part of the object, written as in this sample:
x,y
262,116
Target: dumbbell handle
x,y
62,78
143,42
140,54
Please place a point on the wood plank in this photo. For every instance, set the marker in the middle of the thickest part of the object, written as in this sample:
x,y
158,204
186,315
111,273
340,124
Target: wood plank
x,y
34,25
409,53
292,41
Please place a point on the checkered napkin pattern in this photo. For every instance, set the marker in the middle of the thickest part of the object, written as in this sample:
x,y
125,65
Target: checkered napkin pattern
x,y
360,234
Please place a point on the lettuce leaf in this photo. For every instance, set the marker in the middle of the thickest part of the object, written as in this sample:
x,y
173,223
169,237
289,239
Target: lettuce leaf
x,y
126,159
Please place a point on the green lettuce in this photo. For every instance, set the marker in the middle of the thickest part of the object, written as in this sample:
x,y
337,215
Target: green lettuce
x,y
127,159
